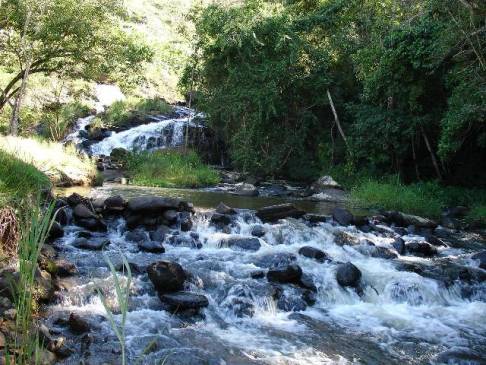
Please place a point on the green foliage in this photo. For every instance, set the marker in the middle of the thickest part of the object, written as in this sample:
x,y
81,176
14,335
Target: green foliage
x,y
169,169
57,119
121,112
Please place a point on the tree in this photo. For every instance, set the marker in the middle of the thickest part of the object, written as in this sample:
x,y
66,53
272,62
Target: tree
x,y
72,38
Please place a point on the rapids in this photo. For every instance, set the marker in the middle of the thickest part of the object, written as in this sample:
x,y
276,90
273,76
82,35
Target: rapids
x,y
399,317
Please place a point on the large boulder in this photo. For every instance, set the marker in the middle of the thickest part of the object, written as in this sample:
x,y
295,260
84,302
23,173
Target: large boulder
x,y
83,212
184,301
405,220
92,224
245,189
313,253
324,183
275,212
481,257
244,243
421,247
115,204
167,276
224,209
153,204
348,275
290,274
342,216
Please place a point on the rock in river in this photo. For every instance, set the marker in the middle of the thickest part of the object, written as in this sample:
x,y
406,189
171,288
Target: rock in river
x,y
342,216
249,244
89,244
184,300
275,212
153,204
290,274
348,275
312,253
167,276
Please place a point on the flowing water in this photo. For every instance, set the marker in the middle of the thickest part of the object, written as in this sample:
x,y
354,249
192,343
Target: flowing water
x,y
400,317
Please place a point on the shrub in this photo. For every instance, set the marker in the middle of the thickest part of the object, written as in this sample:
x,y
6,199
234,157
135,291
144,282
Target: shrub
x,y
120,112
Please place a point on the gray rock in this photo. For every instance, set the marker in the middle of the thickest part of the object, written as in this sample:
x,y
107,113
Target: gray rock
x,y
83,212
56,231
274,260
170,216
159,234
224,209
313,253
405,220
290,274
115,204
342,216
184,301
324,182
275,212
93,245
78,324
348,275
153,204
399,245
167,276
135,236
92,224
151,246
421,248
245,189
258,231
481,256
291,304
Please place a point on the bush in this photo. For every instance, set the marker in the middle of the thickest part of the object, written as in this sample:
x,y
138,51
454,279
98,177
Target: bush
x,y
120,112
169,169
58,119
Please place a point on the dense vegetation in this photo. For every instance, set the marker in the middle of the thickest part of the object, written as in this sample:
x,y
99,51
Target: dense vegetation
x,y
407,81
169,169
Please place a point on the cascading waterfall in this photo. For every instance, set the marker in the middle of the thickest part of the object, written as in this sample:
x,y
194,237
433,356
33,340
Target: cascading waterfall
x,y
400,316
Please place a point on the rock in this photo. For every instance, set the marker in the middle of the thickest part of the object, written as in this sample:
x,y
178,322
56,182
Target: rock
x,y
274,260
312,253
405,220
77,324
360,220
316,218
170,216
74,199
184,241
92,224
330,195
159,234
3,342
59,347
291,304
245,189
455,212
399,245
309,297
83,212
249,244
65,268
224,209
185,221
153,204
348,275
421,247
257,274
184,301
290,274
44,288
83,243
151,246
167,276
275,212
433,240
136,236
342,216
342,238
323,183
115,204
119,154
382,253
451,223
134,268
258,231
481,256
56,231
220,220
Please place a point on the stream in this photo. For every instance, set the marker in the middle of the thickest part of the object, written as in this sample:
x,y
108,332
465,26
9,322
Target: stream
x,y
407,309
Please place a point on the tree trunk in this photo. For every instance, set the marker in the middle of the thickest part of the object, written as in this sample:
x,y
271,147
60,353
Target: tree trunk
x,y
414,155
336,119
432,155
14,121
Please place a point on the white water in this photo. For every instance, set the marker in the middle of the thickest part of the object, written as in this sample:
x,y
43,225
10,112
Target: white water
x,y
401,315
162,133
80,125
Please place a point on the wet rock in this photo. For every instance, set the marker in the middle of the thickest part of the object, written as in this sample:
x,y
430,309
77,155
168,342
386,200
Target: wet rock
x,y
399,245
360,220
85,244
275,260
115,204
134,268
433,240
135,236
44,288
248,244
481,257
313,253
291,304
275,212
83,212
56,231
65,268
220,220
84,234
258,231
92,224
160,233
306,282
348,275
451,223
151,246
405,220
74,199
316,218
342,238
290,274
184,241
323,183
167,276
170,216
421,248
153,204
245,189
382,252
342,216
184,301
59,347
77,324
257,274
309,296
185,221
224,209
460,356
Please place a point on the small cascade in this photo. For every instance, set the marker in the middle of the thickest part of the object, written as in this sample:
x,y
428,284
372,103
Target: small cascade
x,y
75,136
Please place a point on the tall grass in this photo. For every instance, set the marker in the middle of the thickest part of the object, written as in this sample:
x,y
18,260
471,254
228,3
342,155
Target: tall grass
x,y
122,292
58,162
34,234
168,168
